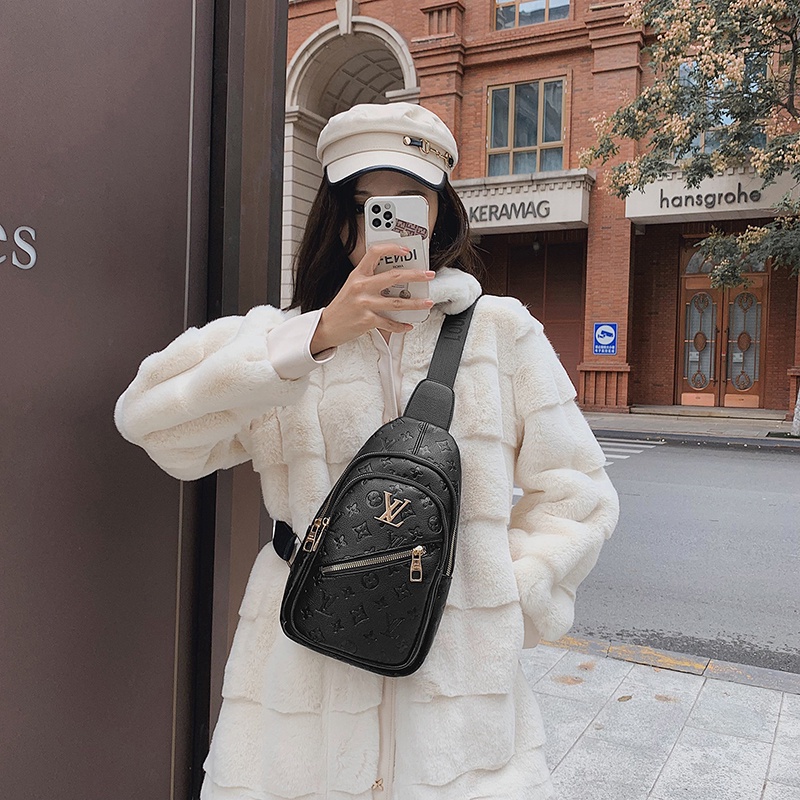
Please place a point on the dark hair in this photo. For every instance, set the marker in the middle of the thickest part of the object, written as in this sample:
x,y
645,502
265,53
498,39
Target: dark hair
x,y
322,265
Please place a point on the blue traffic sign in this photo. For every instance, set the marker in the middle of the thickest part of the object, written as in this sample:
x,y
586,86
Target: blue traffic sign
x,y
605,338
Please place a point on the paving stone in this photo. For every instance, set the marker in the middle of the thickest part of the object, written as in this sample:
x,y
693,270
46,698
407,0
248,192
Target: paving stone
x,y
780,791
564,722
785,765
582,677
791,705
538,661
737,710
533,671
545,654
598,770
664,681
644,717
713,766
755,676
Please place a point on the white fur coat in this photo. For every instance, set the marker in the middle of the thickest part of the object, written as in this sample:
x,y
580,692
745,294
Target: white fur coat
x,y
295,724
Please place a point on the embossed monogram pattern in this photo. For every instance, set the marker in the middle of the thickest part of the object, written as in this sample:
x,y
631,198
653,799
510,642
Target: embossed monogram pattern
x,y
383,621
400,492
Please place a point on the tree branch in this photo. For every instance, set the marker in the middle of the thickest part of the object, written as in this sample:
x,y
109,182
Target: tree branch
x,y
793,79
792,82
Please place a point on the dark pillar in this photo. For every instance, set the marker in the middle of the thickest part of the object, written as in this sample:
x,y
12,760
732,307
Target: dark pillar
x,y
244,268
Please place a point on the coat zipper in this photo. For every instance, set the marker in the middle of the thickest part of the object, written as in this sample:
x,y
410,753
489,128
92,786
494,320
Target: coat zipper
x,y
415,570
391,747
383,787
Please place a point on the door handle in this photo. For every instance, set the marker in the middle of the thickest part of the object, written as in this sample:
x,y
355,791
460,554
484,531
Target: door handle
x,y
723,352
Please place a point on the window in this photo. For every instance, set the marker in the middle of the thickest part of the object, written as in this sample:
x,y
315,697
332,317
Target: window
x,y
525,128
700,265
718,111
528,12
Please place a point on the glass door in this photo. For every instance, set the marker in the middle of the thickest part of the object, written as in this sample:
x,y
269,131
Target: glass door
x,y
700,325
721,338
744,326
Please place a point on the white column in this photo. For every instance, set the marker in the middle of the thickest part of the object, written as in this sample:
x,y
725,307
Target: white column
x,y
302,174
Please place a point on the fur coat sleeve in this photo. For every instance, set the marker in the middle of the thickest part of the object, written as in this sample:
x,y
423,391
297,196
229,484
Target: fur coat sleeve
x,y
190,405
568,507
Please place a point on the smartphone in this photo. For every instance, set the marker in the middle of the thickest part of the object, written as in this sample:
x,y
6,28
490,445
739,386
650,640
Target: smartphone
x,y
404,218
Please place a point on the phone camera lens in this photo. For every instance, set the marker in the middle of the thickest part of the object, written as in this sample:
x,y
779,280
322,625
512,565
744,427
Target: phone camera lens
x,y
376,209
387,214
376,223
387,225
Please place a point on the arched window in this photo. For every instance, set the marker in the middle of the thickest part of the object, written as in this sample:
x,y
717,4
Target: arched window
x,y
699,265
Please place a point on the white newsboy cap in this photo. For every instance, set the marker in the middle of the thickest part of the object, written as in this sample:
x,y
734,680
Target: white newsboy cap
x,y
400,136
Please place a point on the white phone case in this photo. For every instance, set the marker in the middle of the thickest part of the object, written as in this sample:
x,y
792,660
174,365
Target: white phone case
x,y
401,217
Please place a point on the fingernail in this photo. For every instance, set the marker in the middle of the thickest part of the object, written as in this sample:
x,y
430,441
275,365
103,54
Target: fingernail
x,y
430,274
429,303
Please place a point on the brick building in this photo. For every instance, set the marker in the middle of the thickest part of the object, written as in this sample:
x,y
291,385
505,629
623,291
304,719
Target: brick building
x,y
628,308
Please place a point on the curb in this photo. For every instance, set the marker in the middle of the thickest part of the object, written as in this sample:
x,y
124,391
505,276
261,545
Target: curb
x,y
680,662
708,440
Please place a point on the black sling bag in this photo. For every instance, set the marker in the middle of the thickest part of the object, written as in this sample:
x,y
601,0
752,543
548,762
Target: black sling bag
x,y
369,581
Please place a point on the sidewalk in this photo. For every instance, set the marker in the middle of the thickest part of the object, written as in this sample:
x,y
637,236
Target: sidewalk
x,y
743,427
691,729
630,723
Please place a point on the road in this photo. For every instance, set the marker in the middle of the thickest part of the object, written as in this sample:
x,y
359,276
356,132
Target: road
x,y
706,558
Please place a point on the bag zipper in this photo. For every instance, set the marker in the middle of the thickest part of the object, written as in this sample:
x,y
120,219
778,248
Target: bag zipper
x,y
415,570
317,528
315,532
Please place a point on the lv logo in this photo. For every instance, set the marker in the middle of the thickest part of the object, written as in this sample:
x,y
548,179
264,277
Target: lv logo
x,y
393,508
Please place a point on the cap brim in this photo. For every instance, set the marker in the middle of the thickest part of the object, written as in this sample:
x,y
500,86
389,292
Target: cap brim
x,y
357,164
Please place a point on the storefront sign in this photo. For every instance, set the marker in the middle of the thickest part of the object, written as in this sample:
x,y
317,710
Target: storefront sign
x,y
736,194
545,201
605,338
519,212
20,247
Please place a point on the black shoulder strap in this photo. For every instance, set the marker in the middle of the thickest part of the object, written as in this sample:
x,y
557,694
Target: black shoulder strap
x,y
449,347
283,540
433,399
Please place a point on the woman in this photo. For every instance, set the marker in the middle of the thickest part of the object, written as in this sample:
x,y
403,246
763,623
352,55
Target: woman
x,y
297,393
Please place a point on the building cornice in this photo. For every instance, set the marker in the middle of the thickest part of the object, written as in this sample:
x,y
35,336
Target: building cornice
x,y
538,181
523,43
302,116
607,24
438,57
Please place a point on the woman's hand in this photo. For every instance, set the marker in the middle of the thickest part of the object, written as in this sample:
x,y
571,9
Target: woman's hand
x,y
359,306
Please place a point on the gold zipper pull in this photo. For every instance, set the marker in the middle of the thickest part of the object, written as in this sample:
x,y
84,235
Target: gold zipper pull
x,y
415,575
315,533
308,544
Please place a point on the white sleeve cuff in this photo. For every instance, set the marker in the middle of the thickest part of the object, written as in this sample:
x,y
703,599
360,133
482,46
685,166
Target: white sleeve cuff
x,y
289,346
